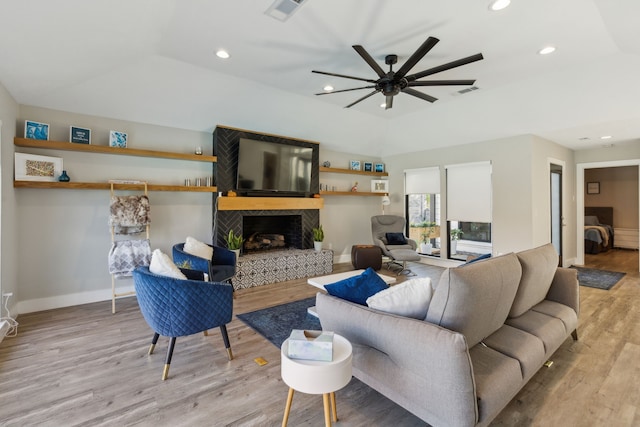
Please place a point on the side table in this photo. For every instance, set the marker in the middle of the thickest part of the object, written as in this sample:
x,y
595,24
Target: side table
x,y
316,377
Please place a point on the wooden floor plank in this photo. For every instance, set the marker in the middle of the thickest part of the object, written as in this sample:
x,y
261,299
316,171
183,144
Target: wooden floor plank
x,y
83,366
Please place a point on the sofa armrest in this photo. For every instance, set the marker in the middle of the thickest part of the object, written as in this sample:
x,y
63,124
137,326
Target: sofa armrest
x,y
437,355
565,288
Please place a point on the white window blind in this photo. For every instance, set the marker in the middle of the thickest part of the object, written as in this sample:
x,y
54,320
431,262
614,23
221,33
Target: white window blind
x,y
469,192
422,181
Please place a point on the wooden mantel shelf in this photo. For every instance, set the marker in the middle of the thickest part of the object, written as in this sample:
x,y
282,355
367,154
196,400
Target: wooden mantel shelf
x,y
268,203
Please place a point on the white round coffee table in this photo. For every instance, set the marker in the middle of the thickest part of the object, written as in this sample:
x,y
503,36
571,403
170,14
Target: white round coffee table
x,y
316,377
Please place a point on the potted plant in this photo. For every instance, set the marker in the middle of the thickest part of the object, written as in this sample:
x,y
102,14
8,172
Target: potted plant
x,y
234,242
318,237
455,236
430,230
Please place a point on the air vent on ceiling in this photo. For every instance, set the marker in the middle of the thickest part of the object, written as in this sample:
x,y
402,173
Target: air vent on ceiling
x,y
283,9
467,90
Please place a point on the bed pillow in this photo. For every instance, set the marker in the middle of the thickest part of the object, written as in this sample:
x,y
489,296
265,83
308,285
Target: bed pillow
x,y
591,220
396,239
162,265
198,248
410,298
358,288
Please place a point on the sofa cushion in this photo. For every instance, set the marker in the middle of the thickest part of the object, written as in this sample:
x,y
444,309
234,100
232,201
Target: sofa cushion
x,y
475,300
538,268
549,329
527,349
358,288
410,298
560,311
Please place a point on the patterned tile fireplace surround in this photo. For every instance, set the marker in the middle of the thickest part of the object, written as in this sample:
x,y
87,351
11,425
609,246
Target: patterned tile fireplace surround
x,y
298,259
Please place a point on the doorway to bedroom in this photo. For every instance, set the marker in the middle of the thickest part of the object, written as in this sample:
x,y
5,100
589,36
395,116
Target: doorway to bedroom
x,y
613,190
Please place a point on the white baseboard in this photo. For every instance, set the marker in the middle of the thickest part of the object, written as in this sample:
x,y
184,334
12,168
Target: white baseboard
x,y
49,303
4,328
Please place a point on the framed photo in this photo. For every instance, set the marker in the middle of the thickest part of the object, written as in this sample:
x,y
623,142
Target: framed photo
x,y
36,130
593,188
80,135
379,186
30,167
379,167
368,167
117,139
354,165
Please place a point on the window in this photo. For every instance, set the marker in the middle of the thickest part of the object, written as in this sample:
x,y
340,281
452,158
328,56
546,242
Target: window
x,y
469,209
422,204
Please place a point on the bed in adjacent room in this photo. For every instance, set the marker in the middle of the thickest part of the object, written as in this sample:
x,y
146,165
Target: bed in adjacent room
x,y
598,229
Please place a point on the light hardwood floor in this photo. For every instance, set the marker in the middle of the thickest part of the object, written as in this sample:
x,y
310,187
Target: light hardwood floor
x,y
82,366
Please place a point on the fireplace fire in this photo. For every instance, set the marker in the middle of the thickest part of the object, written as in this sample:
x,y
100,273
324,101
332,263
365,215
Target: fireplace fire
x,y
269,232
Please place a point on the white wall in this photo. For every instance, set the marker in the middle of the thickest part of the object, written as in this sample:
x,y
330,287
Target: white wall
x,y
64,236
8,232
519,178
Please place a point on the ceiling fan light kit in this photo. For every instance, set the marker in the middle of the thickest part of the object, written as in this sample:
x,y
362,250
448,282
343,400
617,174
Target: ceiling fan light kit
x,y
392,82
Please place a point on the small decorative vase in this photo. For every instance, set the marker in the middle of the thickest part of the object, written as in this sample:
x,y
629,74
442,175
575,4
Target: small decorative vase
x,y
64,177
237,252
317,246
426,248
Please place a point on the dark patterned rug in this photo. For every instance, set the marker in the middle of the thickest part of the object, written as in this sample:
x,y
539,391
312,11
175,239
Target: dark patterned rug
x,y
600,279
276,323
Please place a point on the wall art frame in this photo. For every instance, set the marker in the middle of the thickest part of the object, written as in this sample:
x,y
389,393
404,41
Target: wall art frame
x,y
379,186
36,130
355,165
79,135
31,167
117,139
593,187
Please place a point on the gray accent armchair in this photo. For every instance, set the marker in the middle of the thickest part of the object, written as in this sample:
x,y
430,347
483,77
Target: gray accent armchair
x,y
398,253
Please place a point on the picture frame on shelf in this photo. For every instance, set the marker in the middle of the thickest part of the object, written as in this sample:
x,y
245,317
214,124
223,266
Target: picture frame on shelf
x,y
368,167
117,139
355,165
593,187
379,167
36,130
379,186
79,135
31,167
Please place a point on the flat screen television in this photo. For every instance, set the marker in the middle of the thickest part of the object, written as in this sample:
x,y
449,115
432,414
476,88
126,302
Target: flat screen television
x,y
273,169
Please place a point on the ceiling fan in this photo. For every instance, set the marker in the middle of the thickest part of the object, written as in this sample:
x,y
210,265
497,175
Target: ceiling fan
x,y
393,82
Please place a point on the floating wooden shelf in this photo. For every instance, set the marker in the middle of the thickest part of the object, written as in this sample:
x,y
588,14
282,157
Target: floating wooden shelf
x,y
352,193
268,203
107,186
103,149
351,172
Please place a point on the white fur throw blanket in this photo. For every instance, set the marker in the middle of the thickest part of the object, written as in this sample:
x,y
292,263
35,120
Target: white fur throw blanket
x,y
130,211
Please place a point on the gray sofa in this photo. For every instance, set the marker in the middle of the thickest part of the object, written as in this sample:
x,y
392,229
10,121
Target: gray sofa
x,y
490,326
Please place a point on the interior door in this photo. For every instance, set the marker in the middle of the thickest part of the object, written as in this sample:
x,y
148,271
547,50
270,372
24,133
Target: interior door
x,y
557,220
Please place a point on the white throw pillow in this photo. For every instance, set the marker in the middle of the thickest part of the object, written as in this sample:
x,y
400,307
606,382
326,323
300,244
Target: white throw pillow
x,y
198,248
162,265
409,299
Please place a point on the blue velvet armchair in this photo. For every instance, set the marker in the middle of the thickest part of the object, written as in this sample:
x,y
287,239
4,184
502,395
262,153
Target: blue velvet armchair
x,y
221,268
177,308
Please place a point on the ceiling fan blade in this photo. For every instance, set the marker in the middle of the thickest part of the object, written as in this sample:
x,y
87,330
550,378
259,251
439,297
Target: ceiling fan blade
x,y
345,90
369,60
444,67
389,103
362,99
343,76
442,83
420,95
417,56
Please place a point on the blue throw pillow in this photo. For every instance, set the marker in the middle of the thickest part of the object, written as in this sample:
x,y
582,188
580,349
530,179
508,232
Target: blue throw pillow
x,y
358,288
395,239
480,258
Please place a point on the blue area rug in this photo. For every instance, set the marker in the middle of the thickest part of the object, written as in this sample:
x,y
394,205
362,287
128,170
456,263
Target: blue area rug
x,y
276,323
600,279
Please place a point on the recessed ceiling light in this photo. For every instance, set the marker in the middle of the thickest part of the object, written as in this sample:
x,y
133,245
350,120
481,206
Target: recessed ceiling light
x,y
383,105
606,137
222,54
497,5
328,88
547,50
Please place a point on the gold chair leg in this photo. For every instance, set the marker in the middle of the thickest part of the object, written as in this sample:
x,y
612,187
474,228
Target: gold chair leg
x,y
287,408
165,372
334,410
206,333
327,415
229,354
151,348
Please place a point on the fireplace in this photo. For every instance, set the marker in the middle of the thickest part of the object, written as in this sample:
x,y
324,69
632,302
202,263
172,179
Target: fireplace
x,y
266,232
